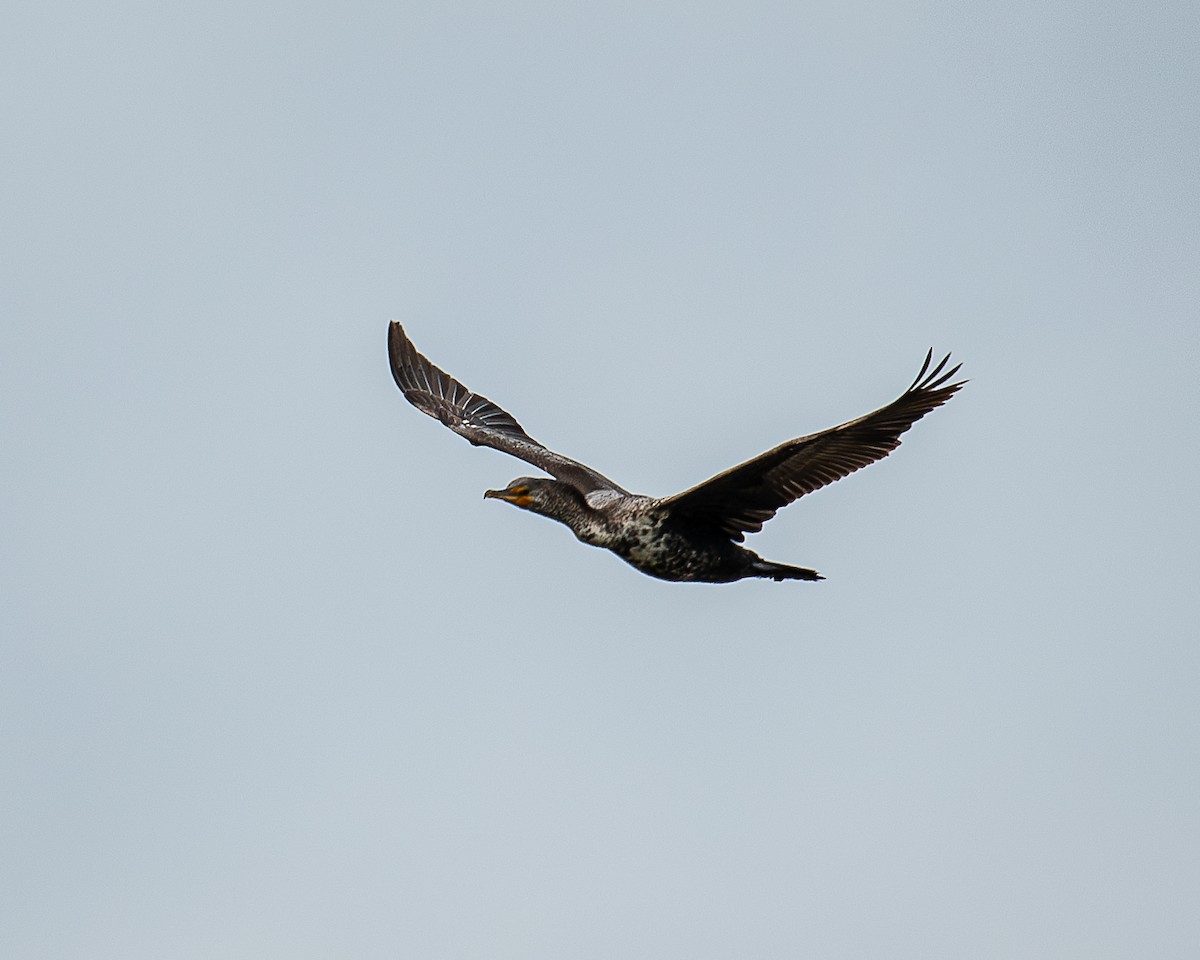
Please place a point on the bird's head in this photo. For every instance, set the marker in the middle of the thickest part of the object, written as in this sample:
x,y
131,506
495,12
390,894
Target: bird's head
x,y
519,493
539,494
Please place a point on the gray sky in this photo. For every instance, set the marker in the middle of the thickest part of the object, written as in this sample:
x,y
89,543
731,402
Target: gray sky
x,y
277,682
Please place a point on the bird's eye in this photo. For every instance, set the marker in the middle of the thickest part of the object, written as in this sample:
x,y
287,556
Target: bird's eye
x,y
520,491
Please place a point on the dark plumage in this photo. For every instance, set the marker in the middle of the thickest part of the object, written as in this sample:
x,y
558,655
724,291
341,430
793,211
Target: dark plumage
x,y
694,535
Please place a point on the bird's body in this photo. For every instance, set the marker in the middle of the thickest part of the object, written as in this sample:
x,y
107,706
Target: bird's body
x,y
695,535
642,531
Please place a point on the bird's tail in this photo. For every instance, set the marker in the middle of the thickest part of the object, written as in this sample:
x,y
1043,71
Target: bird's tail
x,y
781,571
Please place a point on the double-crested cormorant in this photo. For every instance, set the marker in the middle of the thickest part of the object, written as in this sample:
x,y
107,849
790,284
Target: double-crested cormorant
x,y
694,535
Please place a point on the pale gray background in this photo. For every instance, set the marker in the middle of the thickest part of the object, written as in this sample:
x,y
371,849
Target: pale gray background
x,y
277,682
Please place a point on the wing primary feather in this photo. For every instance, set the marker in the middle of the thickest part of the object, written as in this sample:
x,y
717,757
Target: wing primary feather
x,y
944,377
938,368
924,367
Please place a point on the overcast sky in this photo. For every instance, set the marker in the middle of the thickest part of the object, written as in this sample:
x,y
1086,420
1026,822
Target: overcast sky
x,y
276,681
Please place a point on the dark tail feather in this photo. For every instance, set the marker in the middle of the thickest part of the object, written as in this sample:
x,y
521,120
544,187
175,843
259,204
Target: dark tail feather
x,y
781,571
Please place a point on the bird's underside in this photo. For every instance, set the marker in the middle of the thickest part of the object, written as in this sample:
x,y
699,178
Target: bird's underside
x,y
695,535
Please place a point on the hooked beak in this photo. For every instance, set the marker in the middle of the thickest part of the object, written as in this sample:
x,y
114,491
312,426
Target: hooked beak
x,y
517,499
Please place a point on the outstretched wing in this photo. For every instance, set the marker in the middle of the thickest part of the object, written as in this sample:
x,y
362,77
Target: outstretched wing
x,y
438,394
743,498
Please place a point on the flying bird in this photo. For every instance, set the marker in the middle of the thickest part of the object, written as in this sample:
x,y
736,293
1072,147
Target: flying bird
x,y
694,536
